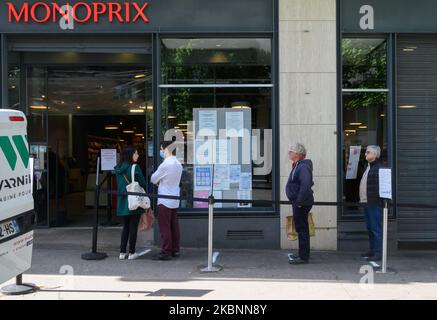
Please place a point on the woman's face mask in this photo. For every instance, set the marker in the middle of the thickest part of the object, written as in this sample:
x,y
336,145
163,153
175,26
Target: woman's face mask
x,y
161,154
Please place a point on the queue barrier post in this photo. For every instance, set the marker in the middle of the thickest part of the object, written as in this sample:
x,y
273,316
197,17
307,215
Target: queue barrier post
x,y
211,267
94,255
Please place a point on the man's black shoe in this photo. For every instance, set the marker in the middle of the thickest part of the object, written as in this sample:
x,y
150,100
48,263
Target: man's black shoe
x,y
175,254
162,256
367,255
297,261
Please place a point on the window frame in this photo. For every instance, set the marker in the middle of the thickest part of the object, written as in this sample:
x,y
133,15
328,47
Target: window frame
x,y
391,93
226,212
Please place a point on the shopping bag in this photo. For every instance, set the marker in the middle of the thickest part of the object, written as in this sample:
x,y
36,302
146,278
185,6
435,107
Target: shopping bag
x,y
146,220
134,201
291,228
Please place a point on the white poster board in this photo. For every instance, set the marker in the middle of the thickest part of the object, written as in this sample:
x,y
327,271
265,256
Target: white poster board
x,y
385,185
234,124
354,159
208,122
109,159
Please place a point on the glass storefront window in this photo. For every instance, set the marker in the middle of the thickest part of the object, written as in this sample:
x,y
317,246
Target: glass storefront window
x,y
196,61
364,104
364,63
220,77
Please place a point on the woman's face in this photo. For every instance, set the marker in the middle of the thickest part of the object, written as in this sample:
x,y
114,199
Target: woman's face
x,y
135,156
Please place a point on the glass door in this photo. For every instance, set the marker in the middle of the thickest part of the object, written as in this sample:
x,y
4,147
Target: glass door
x,y
37,117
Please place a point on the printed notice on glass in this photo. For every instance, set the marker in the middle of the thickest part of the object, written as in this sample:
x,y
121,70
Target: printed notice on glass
x,y
234,174
202,178
207,123
354,159
109,159
201,195
244,195
221,177
385,186
246,181
223,152
235,124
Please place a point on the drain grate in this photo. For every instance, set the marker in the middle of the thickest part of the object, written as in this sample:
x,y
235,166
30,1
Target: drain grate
x,y
245,235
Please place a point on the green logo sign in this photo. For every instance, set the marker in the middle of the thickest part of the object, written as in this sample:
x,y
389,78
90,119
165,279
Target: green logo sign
x,y
9,152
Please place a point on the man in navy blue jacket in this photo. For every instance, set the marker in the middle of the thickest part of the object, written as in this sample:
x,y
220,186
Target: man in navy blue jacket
x,y
299,191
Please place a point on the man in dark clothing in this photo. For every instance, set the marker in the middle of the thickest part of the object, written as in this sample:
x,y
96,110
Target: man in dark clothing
x,y
299,192
369,194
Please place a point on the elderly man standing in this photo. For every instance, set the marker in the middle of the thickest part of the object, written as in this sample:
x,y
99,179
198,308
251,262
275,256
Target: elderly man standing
x,y
369,194
299,192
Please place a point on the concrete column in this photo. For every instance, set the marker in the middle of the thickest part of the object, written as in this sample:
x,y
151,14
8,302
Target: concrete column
x,y
308,105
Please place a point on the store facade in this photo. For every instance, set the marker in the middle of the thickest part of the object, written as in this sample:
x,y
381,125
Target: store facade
x,y
94,75
388,98
334,75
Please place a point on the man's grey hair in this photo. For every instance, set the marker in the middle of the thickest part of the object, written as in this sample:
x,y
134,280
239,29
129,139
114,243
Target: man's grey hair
x,y
375,149
298,148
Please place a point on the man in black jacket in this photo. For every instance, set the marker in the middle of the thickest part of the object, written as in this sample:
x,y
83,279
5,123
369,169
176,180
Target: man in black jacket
x,y
369,194
299,191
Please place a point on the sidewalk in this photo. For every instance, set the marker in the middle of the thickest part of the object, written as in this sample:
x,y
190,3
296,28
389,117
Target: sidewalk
x,y
247,274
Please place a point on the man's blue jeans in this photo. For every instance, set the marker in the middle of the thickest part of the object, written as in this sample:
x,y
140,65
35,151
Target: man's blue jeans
x,y
373,216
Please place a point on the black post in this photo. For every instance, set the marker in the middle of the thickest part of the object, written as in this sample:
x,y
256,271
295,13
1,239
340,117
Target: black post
x,y
96,219
109,208
19,288
94,255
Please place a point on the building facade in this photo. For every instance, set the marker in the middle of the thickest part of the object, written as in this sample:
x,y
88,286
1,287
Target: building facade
x,y
334,75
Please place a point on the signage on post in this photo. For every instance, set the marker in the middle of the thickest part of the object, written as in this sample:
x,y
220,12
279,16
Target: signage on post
x,y
109,159
385,184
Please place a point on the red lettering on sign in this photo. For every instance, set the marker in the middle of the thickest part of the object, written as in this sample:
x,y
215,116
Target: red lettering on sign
x,y
41,12
98,12
115,12
88,12
13,12
57,9
47,9
140,11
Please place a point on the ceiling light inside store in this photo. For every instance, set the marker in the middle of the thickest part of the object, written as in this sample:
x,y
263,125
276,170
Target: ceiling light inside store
x,y
111,127
409,49
382,115
355,123
150,107
130,101
171,117
128,131
350,131
139,134
43,96
77,107
362,127
138,76
136,111
408,107
240,105
183,124
38,107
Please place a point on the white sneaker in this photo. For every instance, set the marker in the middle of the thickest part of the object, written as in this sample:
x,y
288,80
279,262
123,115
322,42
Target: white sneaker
x,y
123,256
133,256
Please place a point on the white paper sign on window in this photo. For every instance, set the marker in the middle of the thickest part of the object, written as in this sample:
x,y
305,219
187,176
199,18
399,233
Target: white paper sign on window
x,y
385,185
354,159
109,159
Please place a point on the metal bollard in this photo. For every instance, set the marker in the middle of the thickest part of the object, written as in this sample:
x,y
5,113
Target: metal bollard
x,y
210,267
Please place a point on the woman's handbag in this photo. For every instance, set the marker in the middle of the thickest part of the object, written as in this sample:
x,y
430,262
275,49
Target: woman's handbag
x,y
136,202
146,220
291,228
